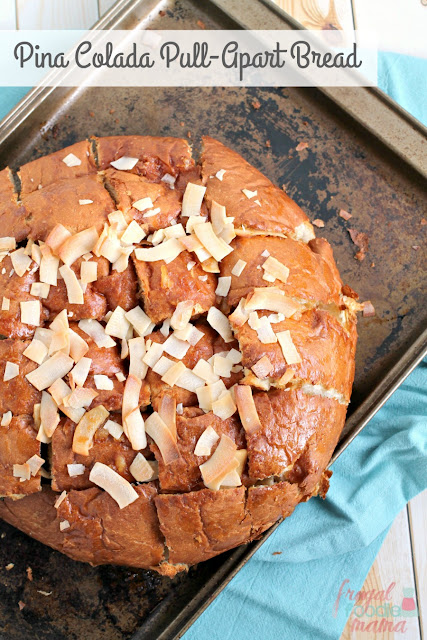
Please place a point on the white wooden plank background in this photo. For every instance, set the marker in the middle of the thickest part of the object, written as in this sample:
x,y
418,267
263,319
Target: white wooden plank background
x,y
56,14
7,14
403,557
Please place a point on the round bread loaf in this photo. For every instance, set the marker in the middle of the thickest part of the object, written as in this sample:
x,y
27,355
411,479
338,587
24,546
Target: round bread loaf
x,y
178,352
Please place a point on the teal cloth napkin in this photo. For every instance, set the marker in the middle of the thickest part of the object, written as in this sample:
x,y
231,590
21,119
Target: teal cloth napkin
x,y
292,595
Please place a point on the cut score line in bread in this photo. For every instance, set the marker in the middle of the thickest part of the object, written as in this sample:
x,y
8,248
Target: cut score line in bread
x,y
178,340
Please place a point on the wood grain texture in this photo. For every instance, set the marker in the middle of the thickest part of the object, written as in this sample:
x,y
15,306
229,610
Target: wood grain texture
x,y
7,14
393,565
104,5
56,14
320,14
418,525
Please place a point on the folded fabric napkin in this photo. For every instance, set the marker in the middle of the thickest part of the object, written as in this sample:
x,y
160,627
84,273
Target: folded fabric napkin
x,y
289,589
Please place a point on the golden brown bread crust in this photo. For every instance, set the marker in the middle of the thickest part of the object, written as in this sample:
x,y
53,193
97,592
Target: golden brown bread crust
x,y
312,277
42,172
12,213
277,214
163,285
176,521
18,444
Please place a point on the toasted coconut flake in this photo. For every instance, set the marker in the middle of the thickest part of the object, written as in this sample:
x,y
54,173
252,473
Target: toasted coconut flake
x,y
57,237
165,328
35,463
275,269
120,377
217,248
7,243
111,248
254,321
60,323
289,351
192,200
172,375
143,204
121,264
20,262
344,214
134,428
86,429
103,382
59,390
262,368
114,484
220,174
210,266
166,251
114,429
190,334
223,287
125,163
287,377
74,289
22,471
151,213
136,353
318,223
77,245
96,331
246,408
164,439
141,469
11,371
60,342
49,416
118,325
204,370
36,351
5,305
71,160
234,356
191,242
206,396
131,395
265,332
180,408
40,290
220,323
175,231
167,412
78,346
53,368
63,526
271,299
218,217
234,478
240,315
6,419
30,312
249,194
206,441
48,267
219,464
133,234
170,180
153,355
83,202
222,365
368,309
238,268
175,347
163,365
60,499
88,272
225,406
182,315
139,320
188,380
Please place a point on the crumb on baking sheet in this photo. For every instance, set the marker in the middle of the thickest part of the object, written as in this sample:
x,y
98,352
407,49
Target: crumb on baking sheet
x,y
29,574
9,566
318,223
201,24
344,214
423,222
368,309
256,104
361,240
276,553
21,605
301,146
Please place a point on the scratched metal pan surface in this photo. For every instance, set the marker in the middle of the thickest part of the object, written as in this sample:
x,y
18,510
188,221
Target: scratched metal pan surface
x,y
344,166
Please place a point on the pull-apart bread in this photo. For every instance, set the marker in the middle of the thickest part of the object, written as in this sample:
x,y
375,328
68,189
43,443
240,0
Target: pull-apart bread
x,y
177,353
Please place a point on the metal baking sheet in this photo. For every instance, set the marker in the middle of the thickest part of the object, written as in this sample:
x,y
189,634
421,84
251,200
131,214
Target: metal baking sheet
x,y
368,171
